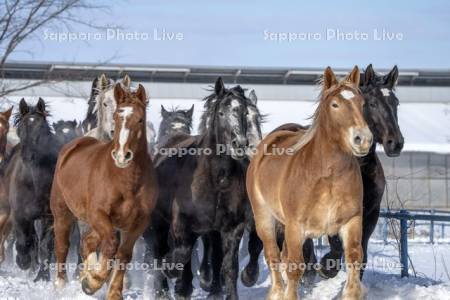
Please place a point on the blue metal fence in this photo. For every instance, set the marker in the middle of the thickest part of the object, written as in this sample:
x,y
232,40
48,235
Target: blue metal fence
x,y
404,216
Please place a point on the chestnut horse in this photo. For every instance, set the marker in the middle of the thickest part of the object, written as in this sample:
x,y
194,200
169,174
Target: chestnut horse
x,y
108,186
314,186
5,224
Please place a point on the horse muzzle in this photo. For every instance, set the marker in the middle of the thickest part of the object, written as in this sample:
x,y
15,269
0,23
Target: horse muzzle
x,y
122,159
361,141
393,146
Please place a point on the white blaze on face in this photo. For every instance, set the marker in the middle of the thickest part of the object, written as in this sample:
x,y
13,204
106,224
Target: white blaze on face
x,y
124,113
386,92
348,95
65,130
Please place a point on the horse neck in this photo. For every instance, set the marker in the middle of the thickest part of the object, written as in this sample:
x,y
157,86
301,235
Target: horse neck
x,y
43,146
324,151
3,142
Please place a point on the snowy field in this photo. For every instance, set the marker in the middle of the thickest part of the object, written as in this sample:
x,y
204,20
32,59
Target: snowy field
x,y
382,281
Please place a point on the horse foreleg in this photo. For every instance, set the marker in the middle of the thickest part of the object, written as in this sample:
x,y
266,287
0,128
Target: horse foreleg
x,y
183,284
351,234
25,242
123,256
230,264
330,264
46,246
369,224
156,239
293,258
250,274
5,229
95,277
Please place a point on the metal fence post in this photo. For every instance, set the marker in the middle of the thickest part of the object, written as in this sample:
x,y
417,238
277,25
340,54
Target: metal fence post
x,y
432,228
385,230
404,242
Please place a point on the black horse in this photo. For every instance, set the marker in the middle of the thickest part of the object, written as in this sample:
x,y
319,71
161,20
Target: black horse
x,y
204,192
65,131
174,121
28,179
380,112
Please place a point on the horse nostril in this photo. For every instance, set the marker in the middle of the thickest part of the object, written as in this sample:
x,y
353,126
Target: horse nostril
x,y
234,144
128,155
114,154
357,140
112,132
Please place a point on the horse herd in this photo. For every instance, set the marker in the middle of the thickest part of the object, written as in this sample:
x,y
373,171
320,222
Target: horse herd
x,y
104,184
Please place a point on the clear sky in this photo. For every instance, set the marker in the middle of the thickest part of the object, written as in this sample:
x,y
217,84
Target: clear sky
x,y
250,33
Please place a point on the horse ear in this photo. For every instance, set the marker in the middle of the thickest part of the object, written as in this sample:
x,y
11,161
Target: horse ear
x,y
126,81
369,75
23,107
219,87
8,113
329,79
354,76
140,93
252,97
103,82
190,112
391,79
40,106
164,112
94,83
119,93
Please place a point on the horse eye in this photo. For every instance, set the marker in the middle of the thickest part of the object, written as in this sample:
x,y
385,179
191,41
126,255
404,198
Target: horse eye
x,y
335,105
105,105
141,120
373,104
221,114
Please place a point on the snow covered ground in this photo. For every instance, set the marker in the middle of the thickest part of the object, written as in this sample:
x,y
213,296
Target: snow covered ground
x,y
381,281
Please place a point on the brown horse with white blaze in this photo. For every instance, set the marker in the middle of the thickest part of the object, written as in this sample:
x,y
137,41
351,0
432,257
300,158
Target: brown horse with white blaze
x,y
314,187
109,186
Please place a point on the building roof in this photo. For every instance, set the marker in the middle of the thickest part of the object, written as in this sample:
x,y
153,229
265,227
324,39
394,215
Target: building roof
x,y
203,74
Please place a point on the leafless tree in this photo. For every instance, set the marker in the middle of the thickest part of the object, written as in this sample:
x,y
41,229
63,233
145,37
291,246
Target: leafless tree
x,y
20,20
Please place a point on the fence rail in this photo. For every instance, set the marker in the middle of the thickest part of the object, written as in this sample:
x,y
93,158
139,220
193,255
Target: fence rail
x,y
404,216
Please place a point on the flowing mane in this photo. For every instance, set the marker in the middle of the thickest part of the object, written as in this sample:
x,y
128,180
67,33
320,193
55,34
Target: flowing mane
x,y
323,96
212,101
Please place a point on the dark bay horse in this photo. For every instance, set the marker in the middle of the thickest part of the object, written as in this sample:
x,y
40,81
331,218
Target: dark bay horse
x,y
380,113
28,177
109,186
66,131
205,192
174,121
314,186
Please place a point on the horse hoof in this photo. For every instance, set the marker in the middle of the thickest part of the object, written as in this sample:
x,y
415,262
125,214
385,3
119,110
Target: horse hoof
x,y
86,288
44,276
327,270
162,295
60,283
249,278
114,296
215,296
205,283
309,277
